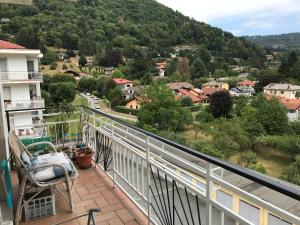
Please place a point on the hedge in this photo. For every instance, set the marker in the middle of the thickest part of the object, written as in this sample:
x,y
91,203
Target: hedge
x,y
194,108
122,109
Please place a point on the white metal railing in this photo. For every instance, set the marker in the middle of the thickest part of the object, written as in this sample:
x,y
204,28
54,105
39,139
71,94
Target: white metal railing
x,y
149,171
169,186
20,75
25,104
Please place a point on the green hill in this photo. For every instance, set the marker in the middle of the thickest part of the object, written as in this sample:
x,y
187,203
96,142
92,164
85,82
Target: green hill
x,y
94,25
285,42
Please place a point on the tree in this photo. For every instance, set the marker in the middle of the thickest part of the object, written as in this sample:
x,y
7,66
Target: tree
x,y
161,110
220,104
186,101
208,149
118,74
294,71
62,91
219,73
87,84
272,115
198,69
240,102
47,98
111,57
230,137
292,172
266,77
82,61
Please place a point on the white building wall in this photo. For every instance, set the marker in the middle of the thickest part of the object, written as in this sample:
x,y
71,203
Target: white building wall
x,y
17,67
20,92
295,115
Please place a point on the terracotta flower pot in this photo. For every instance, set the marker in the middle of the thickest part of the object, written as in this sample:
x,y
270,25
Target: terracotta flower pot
x,y
84,159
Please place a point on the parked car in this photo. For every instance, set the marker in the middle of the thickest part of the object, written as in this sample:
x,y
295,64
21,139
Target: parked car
x,y
88,94
97,107
96,98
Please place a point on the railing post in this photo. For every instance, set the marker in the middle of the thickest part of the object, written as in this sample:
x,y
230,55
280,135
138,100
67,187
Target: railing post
x,y
209,186
94,114
148,180
113,153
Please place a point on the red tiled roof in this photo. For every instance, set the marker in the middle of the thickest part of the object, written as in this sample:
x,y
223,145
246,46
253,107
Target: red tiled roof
x,y
180,85
290,104
194,98
121,81
8,45
209,91
246,83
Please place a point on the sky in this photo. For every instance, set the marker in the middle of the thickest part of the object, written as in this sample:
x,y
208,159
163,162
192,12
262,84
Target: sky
x,y
243,17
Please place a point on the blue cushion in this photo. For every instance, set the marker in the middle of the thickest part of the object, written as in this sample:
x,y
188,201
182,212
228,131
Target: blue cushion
x,y
25,158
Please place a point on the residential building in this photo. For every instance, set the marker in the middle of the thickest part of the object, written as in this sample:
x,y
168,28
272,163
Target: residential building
x,y
246,83
109,71
180,85
162,68
182,92
288,91
242,91
216,84
134,104
126,86
21,79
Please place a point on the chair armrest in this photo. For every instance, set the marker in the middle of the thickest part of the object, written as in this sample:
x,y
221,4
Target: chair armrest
x,y
52,146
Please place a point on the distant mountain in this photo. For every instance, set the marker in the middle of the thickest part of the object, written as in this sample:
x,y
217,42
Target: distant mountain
x,y
285,42
89,25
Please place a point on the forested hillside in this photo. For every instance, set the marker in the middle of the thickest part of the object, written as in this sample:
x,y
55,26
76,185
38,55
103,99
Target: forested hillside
x,y
285,42
94,25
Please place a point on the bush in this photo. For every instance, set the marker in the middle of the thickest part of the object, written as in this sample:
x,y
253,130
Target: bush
x,y
53,66
186,101
258,167
194,108
64,67
208,149
48,58
96,93
122,109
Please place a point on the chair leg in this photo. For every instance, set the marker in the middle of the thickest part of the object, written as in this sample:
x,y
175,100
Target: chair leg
x,y
69,190
18,215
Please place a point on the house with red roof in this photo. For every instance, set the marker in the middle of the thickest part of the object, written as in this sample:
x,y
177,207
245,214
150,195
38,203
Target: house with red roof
x,y
246,83
126,86
21,79
292,105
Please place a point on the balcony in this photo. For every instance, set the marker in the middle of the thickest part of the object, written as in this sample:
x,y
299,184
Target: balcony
x,y
21,77
162,182
24,104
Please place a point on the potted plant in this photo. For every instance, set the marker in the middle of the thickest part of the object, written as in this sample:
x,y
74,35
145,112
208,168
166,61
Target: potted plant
x,y
83,153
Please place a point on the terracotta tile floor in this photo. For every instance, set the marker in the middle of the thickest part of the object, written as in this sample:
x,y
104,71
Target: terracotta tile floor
x,y
93,189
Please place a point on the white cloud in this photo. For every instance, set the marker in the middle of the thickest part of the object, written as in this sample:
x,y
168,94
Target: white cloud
x,y
210,10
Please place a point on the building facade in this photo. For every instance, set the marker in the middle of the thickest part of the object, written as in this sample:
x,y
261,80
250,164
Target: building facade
x,y
287,91
21,79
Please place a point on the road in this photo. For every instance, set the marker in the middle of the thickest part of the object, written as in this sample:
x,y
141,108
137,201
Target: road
x,y
104,108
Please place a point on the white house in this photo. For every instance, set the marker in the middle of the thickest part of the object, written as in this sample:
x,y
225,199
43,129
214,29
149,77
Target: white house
x,y
287,91
126,86
21,79
242,91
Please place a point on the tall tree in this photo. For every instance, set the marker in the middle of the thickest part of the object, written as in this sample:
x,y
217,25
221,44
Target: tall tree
x,y
220,104
161,110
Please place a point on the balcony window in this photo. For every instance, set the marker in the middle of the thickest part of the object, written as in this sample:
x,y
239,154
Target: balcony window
x,y
274,220
249,212
224,199
30,66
